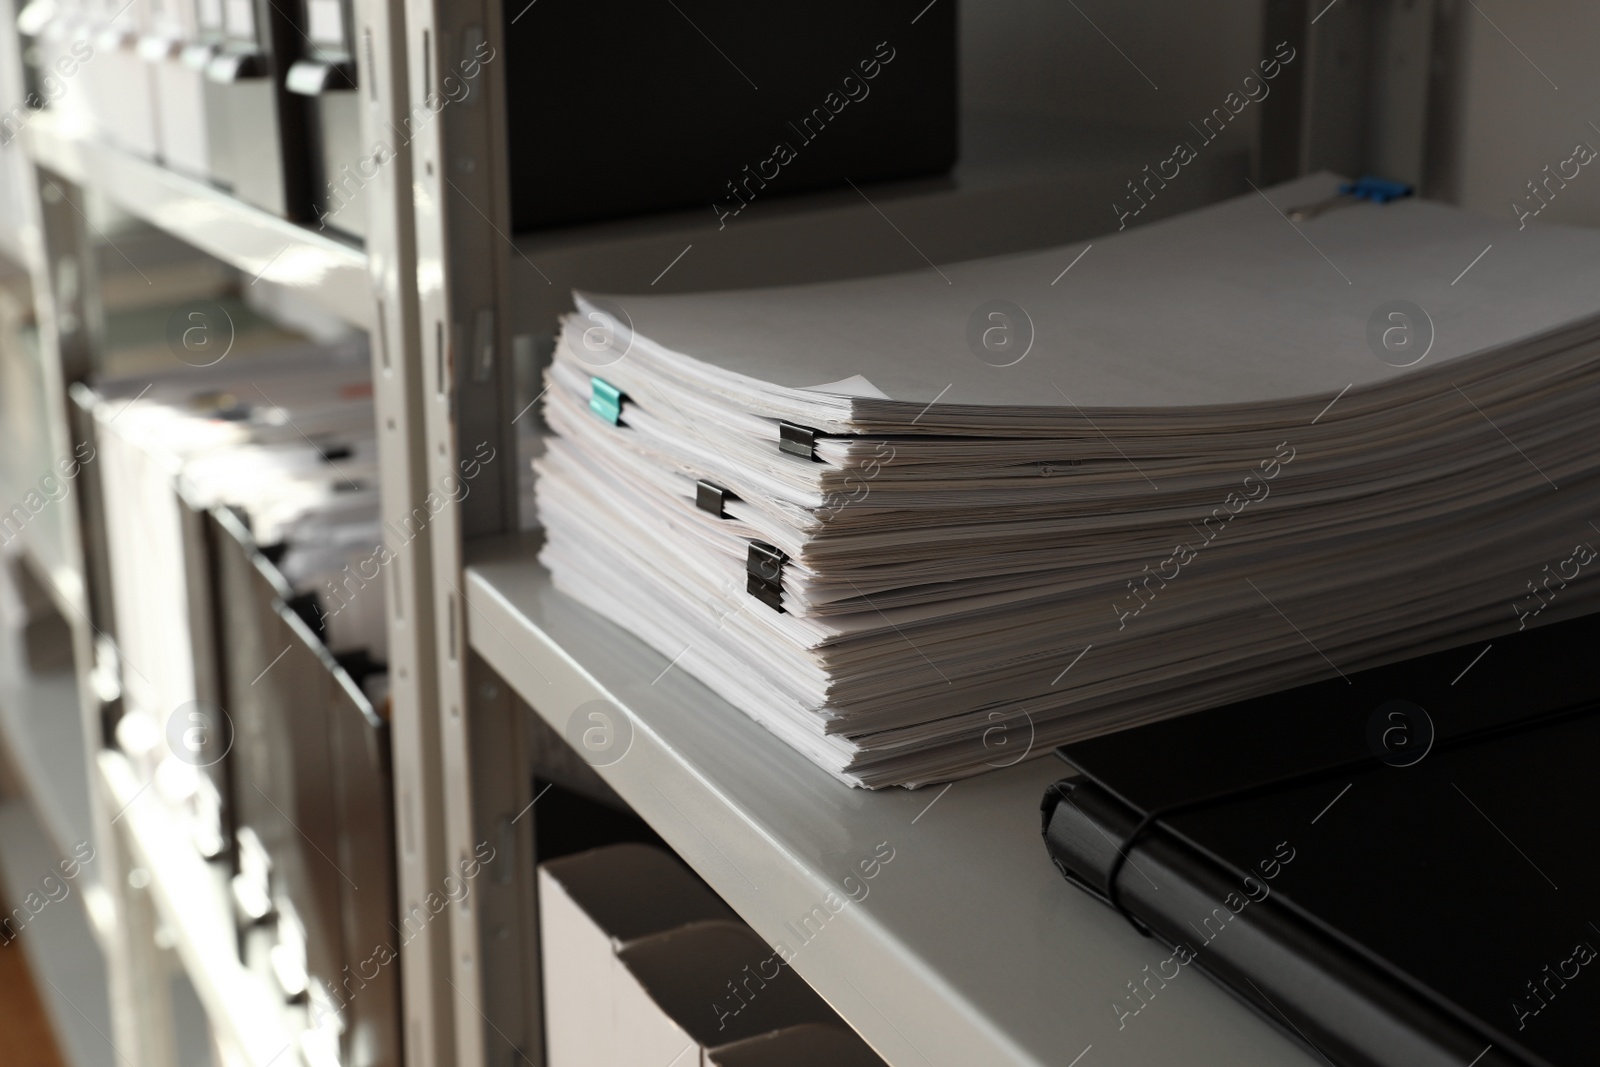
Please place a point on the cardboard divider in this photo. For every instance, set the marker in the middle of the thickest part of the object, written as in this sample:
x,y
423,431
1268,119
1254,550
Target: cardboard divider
x,y
644,965
709,984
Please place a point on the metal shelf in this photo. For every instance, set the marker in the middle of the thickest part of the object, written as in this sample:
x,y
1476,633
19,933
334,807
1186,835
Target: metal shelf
x,y
326,272
967,947
247,1016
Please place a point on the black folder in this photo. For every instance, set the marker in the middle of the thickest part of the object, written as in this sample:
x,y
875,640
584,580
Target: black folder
x,y
1397,867
625,108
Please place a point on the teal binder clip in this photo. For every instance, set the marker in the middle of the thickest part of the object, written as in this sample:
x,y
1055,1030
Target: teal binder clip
x,y
605,400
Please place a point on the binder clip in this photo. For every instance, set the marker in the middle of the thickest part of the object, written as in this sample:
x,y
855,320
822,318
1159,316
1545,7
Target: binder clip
x,y
1377,190
711,498
764,574
797,440
606,400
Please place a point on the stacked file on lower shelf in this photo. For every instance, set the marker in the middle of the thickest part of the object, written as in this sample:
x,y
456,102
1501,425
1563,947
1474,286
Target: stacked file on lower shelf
x,y
1047,495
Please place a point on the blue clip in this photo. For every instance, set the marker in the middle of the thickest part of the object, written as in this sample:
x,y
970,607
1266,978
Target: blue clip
x,y
605,400
1378,190
1375,190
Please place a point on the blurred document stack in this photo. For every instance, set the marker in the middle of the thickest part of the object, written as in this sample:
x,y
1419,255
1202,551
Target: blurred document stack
x,y
927,524
283,439
286,440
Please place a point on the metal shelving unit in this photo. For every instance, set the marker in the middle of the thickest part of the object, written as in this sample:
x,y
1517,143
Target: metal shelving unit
x,y
160,904
443,291
968,949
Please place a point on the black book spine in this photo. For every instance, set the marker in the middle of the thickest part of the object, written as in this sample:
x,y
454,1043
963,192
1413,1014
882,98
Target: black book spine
x,y
1238,930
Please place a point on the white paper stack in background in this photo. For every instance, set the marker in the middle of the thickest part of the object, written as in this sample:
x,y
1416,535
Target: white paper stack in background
x,y
289,441
1048,502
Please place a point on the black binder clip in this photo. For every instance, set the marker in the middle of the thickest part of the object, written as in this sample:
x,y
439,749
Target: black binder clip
x,y
797,440
711,498
764,574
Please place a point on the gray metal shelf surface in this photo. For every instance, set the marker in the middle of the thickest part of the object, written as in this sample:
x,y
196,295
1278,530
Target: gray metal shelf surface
x,y
966,948
326,272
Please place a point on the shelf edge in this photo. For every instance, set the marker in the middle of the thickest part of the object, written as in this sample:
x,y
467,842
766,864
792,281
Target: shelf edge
x,y
326,272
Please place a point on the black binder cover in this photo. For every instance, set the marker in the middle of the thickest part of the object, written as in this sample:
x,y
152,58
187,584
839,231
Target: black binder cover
x,y
618,109
1397,867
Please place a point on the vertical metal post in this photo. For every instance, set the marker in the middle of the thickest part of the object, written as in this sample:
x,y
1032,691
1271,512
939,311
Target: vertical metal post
x,y
505,923
462,210
400,392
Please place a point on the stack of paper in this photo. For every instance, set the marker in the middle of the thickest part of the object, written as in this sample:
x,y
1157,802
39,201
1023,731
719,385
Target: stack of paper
x,y
289,442
1046,495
